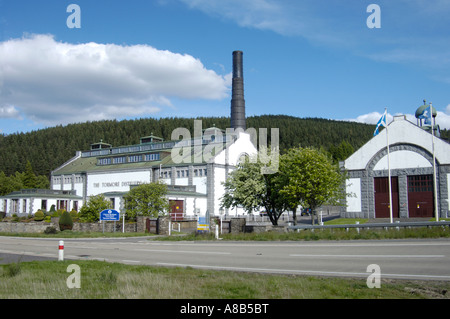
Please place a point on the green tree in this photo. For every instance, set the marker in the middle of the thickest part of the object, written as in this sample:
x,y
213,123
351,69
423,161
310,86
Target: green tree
x,y
29,178
247,187
311,179
147,200
342,151
90,212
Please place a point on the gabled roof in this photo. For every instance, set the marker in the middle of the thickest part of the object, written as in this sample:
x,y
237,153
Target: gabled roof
x,y
400,131
43,193
195,152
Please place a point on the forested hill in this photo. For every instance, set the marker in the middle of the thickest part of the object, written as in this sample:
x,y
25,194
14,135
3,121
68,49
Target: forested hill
x,y
48,148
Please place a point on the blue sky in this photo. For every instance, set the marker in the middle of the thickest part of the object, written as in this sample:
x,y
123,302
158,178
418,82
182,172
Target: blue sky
x,y
141,58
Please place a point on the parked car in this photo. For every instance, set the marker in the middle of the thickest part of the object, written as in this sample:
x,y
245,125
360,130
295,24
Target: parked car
x,y
306,212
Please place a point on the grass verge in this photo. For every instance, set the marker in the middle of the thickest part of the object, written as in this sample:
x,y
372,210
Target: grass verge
x,y
322,234
76,234
47,280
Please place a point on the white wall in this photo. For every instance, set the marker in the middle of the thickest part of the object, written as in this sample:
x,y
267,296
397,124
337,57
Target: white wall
x,y
354,200
115,182
219,190
200,183
400,131
448,191
401,160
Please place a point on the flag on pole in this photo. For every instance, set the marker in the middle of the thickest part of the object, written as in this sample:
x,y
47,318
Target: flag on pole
x,y
381,122
426,115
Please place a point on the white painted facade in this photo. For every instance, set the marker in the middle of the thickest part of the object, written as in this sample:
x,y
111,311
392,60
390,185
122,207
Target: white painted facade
x,y
203,180
411,154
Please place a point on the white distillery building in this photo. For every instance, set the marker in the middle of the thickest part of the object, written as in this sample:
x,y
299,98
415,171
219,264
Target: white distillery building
x,y
29,201
193,169
411,170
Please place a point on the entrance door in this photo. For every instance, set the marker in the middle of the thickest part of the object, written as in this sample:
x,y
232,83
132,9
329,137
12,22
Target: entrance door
x,y
420,196
381,187
176,209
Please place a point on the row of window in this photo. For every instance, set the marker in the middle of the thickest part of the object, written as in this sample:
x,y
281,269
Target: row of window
x,y
67,179
420,183
60,204
128,149
184,173
129,159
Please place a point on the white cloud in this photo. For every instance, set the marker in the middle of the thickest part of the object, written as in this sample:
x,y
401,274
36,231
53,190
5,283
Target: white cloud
x,y
412,31
442,118
9,111
52,82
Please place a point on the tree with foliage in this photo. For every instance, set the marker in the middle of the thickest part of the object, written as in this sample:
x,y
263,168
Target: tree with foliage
x,y
147,200
90,212
247,187
29,179
24,180
48,148
311,179
342,151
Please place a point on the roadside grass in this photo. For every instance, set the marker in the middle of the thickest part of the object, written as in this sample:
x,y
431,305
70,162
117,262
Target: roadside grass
x,y
76,234
100,280
322,234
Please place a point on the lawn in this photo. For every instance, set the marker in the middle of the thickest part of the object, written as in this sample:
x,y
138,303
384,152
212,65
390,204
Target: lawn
x,y
99,280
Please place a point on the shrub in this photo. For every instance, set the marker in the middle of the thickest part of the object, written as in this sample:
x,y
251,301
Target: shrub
x,y
52,210
74,214
47,219
50,230
39,216
58,213
65,221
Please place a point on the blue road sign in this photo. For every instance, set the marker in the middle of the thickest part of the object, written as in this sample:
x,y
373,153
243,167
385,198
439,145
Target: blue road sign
x,y
109,214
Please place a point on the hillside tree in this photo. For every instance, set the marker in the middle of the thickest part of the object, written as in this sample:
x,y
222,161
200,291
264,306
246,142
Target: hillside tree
x,y
311,179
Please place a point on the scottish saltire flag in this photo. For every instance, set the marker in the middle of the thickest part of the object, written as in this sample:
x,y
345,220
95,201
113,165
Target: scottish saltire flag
x,y
381,122
426,115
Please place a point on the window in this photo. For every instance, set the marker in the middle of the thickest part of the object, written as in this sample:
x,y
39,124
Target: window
x,y
134,158
15,206
24,207
61,204
44,204
420,183
151,157
119,160
104,161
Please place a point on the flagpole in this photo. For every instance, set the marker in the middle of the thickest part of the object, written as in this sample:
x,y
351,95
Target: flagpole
x,y
389,169
436,211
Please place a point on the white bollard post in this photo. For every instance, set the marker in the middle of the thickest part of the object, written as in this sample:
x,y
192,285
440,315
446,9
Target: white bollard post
x,y
357,229
61,251
217,231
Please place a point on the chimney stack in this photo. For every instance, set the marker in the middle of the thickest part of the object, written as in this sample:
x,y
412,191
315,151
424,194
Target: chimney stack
x,y
237,93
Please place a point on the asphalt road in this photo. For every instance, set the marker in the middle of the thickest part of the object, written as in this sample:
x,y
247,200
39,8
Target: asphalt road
x,y
397,259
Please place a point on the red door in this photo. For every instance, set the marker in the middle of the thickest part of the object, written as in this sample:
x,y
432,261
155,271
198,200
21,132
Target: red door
x,y
176,209
381,187
420,196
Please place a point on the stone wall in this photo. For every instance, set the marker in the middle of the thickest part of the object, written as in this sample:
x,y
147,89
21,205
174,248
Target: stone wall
x,y
264,228
39,227
237,225
33,227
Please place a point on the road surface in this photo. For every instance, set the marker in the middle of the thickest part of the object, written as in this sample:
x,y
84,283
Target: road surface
x,y
425,259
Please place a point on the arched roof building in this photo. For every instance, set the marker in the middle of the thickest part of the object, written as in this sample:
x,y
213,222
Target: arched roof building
x,y
410,163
